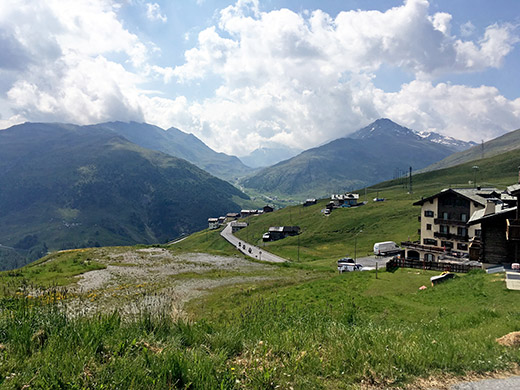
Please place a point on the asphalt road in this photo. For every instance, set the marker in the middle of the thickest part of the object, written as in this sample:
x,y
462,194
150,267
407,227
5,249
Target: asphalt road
x,y
512,383
371,261
250,250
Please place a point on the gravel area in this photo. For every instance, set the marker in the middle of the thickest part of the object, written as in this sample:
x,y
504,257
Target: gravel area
x,y
155,280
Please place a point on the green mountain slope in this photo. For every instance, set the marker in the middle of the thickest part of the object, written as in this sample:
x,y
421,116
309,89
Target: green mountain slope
x,y
65,186
324,239
370,155
502,144
179,144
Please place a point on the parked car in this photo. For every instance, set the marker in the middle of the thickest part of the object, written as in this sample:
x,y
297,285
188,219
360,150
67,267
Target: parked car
x,y
347,264
386,248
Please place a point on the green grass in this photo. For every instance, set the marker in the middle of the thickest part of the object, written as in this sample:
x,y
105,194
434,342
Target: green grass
x,y
353,328
336,331
324,239
311,328
205,241
57,269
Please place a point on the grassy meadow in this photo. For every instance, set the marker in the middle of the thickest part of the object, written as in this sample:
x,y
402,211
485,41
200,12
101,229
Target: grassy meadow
x,y
335,331
304,327
353,231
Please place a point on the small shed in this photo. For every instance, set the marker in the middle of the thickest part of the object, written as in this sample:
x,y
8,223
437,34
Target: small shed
x,y
247,213
268,209
279,232
232,216
309,202
213,223
351,199
236,226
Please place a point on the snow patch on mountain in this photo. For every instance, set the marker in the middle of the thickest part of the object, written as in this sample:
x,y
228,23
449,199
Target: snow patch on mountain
x,y
384,127
457,144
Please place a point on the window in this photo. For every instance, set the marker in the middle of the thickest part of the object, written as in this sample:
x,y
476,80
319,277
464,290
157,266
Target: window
x,y
447,244
430,241
462,247
462,231
429,257
445,229
428,226
478,233
445,216
464,217
428,213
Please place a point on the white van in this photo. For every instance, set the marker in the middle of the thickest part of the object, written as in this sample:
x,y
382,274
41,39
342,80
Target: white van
x,y
386,248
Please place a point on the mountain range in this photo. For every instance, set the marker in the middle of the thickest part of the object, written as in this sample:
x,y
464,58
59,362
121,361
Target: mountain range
x,y
66,186
367,156
182,145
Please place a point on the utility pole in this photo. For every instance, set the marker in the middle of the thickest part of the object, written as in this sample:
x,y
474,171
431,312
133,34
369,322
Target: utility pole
x,y
355,245
411,190
298,247
475,170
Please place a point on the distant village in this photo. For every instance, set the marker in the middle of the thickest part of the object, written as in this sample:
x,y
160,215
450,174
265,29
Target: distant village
x,y
460,228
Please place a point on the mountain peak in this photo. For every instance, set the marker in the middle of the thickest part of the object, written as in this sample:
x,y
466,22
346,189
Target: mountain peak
x,y
382,127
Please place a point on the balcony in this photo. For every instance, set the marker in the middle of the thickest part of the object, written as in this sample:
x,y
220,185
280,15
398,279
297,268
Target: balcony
x,y
416,245
450,236
453,222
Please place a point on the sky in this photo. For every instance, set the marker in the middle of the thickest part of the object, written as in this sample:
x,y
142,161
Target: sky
x,y
244,74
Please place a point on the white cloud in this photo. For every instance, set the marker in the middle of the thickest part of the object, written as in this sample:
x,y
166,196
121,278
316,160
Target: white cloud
x,y
302,79
298,79
153,12
64,73
455,110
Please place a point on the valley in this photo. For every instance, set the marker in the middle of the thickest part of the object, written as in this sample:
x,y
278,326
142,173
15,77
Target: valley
x,y
229,321
259,195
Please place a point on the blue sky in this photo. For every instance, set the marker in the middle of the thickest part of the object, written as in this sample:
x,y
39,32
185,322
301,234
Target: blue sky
x,y
248,73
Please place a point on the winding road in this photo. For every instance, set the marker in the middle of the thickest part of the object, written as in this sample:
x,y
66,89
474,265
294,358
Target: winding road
x,y
249,250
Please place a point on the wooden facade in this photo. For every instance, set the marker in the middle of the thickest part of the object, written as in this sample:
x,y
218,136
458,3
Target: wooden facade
x,y
495,247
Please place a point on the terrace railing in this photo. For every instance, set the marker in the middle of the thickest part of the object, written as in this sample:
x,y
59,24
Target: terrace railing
x,y
430,265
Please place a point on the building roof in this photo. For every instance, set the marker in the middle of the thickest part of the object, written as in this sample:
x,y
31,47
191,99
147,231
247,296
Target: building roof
x,y
282,229
276,229
507,197
239,224
500,209
477,195
212,219
514,189
345,196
